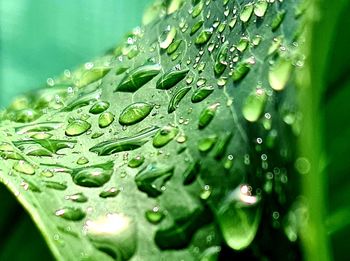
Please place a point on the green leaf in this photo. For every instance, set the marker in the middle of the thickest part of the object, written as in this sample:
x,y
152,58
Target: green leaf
x,y
205,147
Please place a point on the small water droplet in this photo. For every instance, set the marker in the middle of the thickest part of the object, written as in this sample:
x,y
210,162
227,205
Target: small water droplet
x,y
260,8
109,193
279,74
178,95
201,93
77,197
196,27
206,144
136,161
82,160
277,21
203,37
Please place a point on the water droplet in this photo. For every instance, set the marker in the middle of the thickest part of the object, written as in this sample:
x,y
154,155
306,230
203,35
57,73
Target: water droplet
x,y
220,61
83,100
92,75
201,93
25,115
99,107
93,176
207,115
203,37
206,144
82,161
24,167
239,217
136,161
191,172
50,145
254,105
277,21
260,8
173,46
152,178
115,234
55,185
77,197
197,9
196,27
155,215
166,40
109,193
123,144
171,78
135,113
41,135
240,71
105,119
246,12
164,136
138,77
256,40
178,95
70,213
242,44
77,127
279,74
232,23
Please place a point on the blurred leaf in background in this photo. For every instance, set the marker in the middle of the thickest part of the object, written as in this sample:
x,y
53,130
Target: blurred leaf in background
x,y
39,39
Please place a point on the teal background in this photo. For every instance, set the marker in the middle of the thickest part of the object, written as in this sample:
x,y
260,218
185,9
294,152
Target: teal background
x,y
41,38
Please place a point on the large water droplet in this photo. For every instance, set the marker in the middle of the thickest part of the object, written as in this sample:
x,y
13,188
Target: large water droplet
x,y
99,107
136,161
155,215
279,74
220,61
201,93
105,119
207,115
164,136
260,8
246,12
70,213
24,167
196,27
173,47
171,78
77,127
114,234
138,77
124,144
135,113
197,9
92,75
152,178
51,145
240,71
277,21
94,175
166,40
239,218
177,96
254,105
55,185
206,144
203,37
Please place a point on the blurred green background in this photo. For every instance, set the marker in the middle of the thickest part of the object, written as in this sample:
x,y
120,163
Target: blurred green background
x,y
40,38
